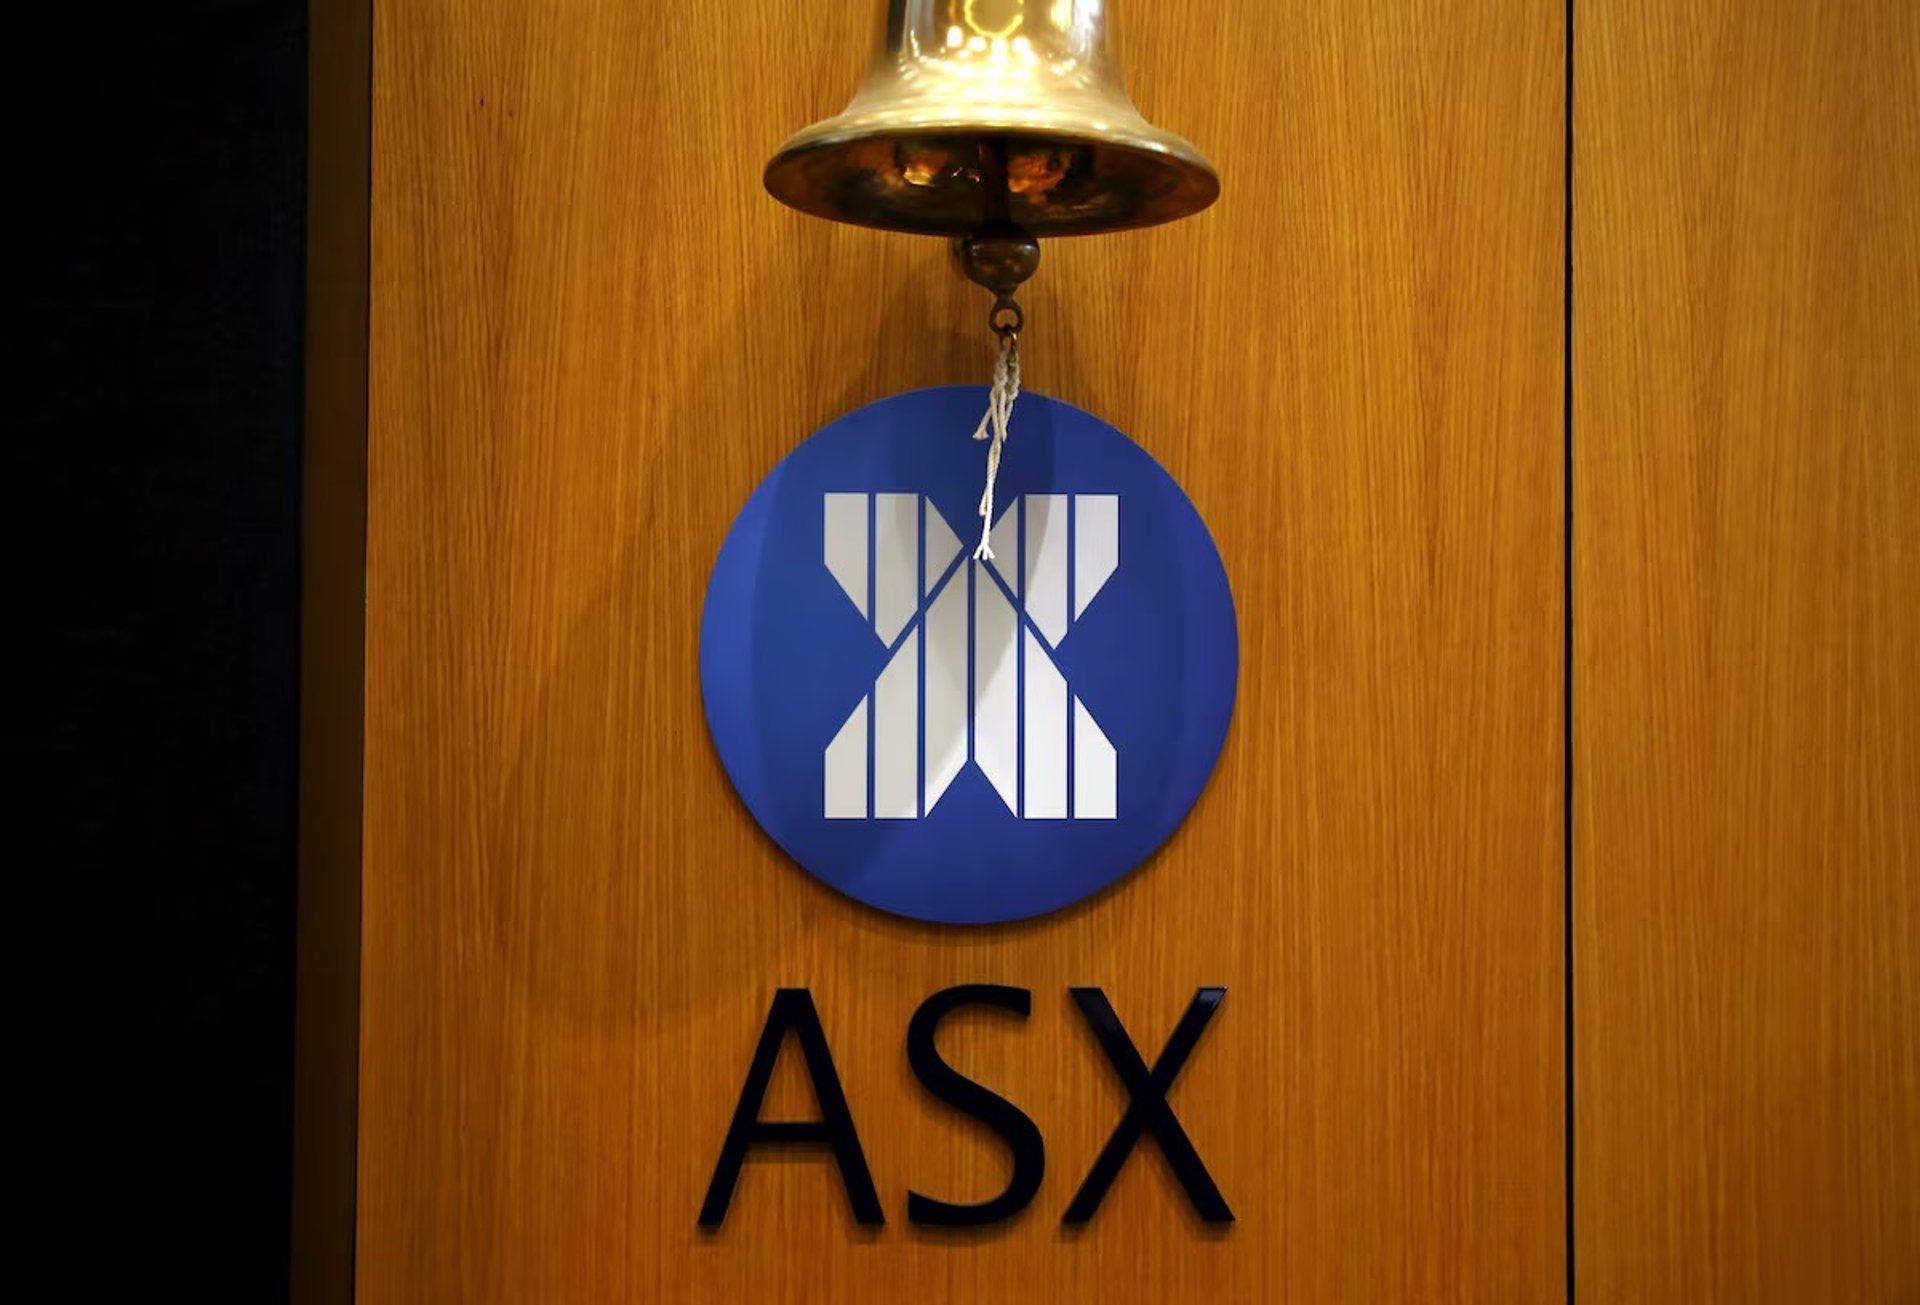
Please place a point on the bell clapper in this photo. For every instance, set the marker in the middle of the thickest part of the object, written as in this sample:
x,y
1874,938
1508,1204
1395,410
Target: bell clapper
x,y
999,256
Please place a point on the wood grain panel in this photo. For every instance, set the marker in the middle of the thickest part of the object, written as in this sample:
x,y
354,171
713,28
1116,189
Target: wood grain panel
x,y
592,334
1747,430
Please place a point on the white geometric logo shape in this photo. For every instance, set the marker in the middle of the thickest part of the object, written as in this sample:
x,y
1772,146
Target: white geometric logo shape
x,y
996,698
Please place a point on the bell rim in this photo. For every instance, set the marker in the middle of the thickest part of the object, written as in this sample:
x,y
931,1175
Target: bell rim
x,y
1163,150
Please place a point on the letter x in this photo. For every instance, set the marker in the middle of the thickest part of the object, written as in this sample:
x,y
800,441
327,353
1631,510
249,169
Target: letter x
x,y
1148,1111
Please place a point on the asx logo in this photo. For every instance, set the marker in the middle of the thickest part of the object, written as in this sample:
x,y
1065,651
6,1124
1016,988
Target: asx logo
x,y
971,675
957,740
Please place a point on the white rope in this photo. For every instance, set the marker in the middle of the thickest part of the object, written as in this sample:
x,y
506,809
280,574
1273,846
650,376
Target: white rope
x,y
993,426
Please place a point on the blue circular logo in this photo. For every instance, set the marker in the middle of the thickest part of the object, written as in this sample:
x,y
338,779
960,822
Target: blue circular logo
x,y
957,739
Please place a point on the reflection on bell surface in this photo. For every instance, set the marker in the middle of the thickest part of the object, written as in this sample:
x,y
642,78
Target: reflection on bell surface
x,y
978,110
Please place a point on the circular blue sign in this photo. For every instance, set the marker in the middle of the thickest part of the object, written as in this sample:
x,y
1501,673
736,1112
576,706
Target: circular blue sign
x,y
957,740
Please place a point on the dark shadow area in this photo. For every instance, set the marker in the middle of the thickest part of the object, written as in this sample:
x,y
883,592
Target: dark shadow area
x,y
153,429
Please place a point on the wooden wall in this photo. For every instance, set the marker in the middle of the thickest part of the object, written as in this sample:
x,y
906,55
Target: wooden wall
x,y
591,334
1747,608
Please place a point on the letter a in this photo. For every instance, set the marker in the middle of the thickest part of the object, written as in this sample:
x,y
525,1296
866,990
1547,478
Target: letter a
x,y
793,1012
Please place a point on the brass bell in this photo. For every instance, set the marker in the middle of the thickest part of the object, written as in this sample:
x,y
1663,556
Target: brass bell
x,y
1001,112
